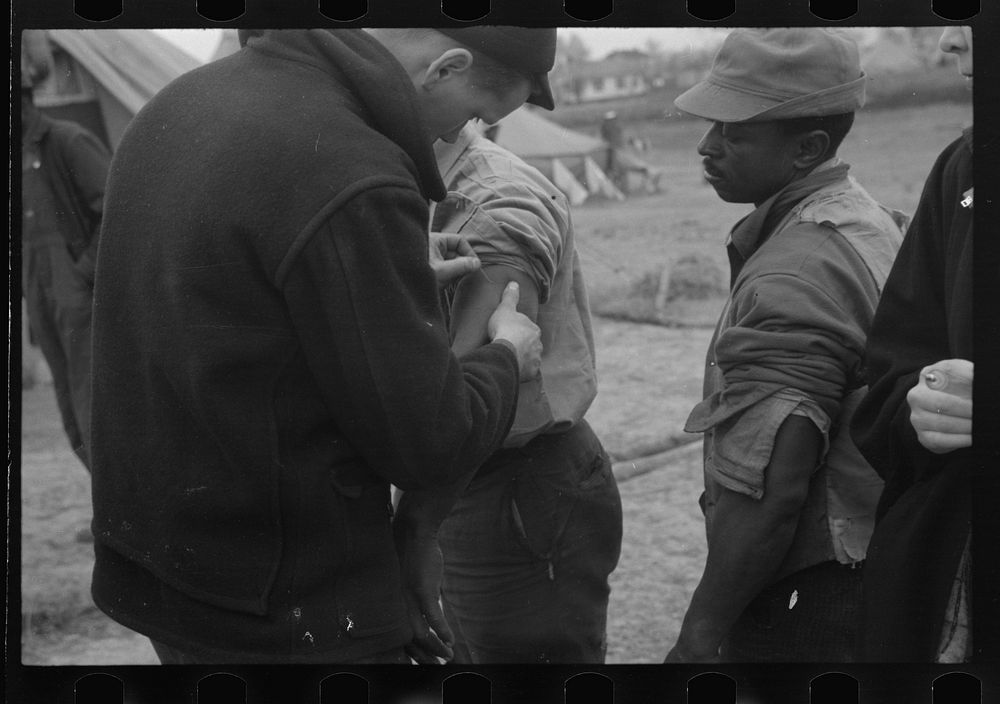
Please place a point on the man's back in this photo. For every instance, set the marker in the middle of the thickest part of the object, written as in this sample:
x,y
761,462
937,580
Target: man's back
x,y
264,254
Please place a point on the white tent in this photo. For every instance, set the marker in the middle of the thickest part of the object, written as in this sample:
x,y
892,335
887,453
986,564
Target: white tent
x,y
566,182
100,78
229,43
567,157
533,137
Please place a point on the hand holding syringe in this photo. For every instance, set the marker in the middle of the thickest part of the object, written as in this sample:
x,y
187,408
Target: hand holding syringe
x,y
941,405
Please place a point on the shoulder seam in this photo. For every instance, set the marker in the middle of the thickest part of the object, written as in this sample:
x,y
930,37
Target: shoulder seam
x,y
324,213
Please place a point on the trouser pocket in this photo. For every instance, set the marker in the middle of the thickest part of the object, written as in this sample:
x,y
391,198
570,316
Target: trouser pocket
x,y
563,496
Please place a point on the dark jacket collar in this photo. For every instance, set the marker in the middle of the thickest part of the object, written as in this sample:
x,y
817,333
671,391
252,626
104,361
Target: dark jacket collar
x,y
967,137
751,232
373,76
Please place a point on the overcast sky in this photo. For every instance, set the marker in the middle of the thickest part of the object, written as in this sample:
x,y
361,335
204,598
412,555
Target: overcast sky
x,y
201,43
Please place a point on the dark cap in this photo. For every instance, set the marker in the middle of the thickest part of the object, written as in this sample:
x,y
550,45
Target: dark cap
x,y
779,74
530,50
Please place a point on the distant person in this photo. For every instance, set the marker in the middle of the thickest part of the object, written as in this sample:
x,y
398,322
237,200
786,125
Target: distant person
x,y
613,135
789,502
530,541
623,158
915,424
269,349
64,168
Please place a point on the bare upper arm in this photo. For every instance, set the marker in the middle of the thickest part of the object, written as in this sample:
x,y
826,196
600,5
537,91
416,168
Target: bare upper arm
x,y
478,295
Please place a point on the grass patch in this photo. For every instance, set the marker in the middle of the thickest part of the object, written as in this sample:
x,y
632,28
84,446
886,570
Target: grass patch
x,y
686,293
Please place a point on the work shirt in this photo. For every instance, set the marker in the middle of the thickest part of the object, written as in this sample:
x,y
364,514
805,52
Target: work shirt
x,y
513,216
790,340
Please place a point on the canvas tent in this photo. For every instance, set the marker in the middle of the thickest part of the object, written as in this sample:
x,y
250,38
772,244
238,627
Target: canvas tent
x,y
569,158
101,78
229,43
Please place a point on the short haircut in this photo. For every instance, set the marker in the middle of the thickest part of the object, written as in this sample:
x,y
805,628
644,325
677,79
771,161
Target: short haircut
x,y
493,76
487,73
835,126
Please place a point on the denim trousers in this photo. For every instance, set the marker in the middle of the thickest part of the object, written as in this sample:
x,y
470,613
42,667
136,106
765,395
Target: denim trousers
x,y
528,551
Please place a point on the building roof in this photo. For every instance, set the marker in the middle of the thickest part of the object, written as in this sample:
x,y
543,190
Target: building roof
x,y
612,66
132,64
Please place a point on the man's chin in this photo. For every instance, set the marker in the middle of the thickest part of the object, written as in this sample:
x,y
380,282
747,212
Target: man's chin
x,y
724,195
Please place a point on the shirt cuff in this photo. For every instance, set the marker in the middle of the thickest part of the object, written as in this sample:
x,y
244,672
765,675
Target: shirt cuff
x,y
740,447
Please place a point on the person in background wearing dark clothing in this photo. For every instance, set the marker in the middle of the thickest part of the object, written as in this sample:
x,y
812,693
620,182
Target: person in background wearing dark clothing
x,y
270,352
613,134
529,542
64,168
789,502
915,424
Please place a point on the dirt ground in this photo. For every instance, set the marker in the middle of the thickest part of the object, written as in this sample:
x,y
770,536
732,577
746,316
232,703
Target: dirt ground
x,y
62,626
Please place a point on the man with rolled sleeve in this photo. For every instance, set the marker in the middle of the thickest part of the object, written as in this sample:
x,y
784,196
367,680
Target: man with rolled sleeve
x,y
529,543
789,502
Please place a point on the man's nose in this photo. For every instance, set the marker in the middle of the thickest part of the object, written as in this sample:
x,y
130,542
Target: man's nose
x,y
709,144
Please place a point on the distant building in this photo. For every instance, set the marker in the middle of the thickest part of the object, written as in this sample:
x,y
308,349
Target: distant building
x,y
620,75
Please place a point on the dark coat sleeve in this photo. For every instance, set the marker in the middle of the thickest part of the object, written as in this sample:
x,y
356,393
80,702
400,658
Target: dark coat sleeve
x,y
916,324
925,510
365,305
78,174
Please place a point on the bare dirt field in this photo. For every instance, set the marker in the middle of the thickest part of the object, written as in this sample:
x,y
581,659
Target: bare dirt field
x,y
62,626
650,376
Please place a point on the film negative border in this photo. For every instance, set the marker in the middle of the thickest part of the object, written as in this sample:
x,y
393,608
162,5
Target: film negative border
x,y
629,684
96,14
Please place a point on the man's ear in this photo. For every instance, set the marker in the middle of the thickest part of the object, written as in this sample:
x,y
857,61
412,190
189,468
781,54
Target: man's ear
x,y
812,148
452,62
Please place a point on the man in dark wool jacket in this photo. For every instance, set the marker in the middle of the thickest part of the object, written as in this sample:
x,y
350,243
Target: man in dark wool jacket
x,y
269,348
915,425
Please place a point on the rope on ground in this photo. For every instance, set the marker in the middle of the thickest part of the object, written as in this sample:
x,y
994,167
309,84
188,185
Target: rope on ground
x,y
636,467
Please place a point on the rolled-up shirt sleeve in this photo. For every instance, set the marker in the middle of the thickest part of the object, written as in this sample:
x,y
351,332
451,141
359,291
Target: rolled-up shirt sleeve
x,y
790,348
508,223
365,304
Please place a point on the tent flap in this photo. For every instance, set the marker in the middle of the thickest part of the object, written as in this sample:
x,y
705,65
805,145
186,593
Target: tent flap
x,y
566,182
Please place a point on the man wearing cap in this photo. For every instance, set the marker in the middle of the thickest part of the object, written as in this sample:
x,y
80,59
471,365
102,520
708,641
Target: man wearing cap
x,y
269,349
789,502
